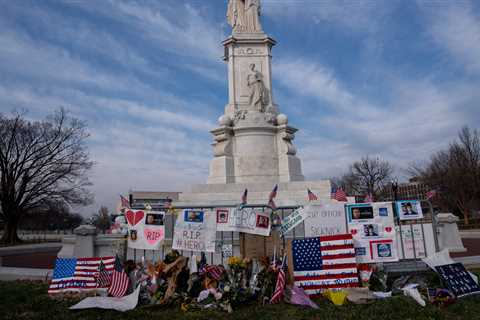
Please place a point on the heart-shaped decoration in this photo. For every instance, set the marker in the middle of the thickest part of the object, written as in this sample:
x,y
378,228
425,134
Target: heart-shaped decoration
x,y
388,229
353,231
134,217
153,235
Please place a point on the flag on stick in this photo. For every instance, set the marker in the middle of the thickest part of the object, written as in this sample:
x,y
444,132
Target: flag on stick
x,y
280,285
311,195
244,197
125,202
431,194
120,280
103,277
272,196
340,195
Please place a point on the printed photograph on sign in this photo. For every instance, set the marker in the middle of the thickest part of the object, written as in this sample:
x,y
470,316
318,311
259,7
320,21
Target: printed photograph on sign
x,y
382,250
193,216
409,209
222,216
262,222
133,235
154,219
383,212
360,212
370,230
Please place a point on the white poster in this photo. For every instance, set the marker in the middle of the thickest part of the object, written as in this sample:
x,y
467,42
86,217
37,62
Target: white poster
x,y
409,209
247,220
325,219
412,237
146,229
195,230
293,219
373,230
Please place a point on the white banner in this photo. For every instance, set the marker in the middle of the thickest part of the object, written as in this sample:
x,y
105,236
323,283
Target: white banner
x,y
247,220
195,230
413,237
293,220
325,219
120,304
146,229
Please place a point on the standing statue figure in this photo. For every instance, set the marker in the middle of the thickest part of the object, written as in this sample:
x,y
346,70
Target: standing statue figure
x,y
244,15
252,15
258,93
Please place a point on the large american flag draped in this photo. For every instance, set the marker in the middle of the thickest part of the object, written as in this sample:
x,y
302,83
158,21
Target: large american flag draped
x,y
120,280
78,274
326,262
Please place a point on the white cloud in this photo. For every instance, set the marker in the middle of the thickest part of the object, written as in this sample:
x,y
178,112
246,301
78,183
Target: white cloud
x,y
456,28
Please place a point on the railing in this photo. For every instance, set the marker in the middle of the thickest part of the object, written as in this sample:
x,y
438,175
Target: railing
x,y
473,223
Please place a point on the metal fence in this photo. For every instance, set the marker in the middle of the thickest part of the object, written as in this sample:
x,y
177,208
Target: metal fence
x,y
407,232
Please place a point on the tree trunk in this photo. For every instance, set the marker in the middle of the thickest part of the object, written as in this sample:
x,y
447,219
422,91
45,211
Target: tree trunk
x,y
465,216
10,236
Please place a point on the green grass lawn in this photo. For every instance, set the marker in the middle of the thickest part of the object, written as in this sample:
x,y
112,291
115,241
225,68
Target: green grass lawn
x,y
28,300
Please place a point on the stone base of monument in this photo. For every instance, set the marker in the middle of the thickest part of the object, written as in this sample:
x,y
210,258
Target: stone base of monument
x,y
289,193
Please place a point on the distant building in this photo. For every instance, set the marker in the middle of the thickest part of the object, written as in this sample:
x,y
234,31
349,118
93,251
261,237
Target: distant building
x,y
139,199
412,190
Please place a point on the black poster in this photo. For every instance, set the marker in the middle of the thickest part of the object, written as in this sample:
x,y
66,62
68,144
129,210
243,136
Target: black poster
x,y
457,279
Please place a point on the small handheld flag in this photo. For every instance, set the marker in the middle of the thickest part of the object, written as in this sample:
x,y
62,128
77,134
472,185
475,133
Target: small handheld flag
x,y
311,195
125,202
244,196
431,194
340,195
120,280
272,195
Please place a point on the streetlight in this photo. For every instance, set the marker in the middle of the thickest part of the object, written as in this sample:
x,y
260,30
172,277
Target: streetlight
x,y
395,188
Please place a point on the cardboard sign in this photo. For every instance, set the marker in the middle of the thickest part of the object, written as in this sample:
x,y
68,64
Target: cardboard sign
x,y
247,220
293,220
325,219
195,230
373,230
409,209
457,279
414,241
146,229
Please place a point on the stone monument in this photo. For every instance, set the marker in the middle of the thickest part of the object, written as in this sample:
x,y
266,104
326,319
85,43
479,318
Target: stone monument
x,y
253,145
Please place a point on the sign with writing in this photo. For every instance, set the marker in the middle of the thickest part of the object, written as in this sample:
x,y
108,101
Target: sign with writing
x,y
325,219
415,241
293,220
195,230
247,220
146,229
457,279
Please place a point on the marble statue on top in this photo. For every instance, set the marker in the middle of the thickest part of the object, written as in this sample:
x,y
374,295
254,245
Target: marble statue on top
x,y
244,15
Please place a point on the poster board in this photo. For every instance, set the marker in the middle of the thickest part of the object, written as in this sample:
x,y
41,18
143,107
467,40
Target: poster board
x,y
414,241
146,229
409,209
373,229
246,220
457,279
327,218
195,230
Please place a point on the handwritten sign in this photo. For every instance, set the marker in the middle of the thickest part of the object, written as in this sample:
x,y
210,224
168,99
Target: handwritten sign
x,y
146,229
247,220
293,220
325,219
195,230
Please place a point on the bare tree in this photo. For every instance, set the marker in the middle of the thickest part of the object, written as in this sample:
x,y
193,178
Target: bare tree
x,y
455,174
40,162
102,219
367,176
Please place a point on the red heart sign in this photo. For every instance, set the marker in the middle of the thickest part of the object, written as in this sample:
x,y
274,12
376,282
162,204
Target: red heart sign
x,y
134,217
153,235
353,231
388,229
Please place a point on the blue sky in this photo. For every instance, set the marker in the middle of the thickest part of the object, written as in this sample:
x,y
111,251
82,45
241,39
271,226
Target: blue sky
x,y
394,79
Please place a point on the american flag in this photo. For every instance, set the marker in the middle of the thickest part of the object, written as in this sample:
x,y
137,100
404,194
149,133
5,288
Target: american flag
x,y
311,195
125,202
326,262
244,197
215,272
103,276
120,280
431,194
279,287
339,195
272,196
368,198
77,274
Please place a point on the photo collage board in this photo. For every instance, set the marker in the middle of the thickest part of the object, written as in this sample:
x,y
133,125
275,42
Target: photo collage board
x,y
373,229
